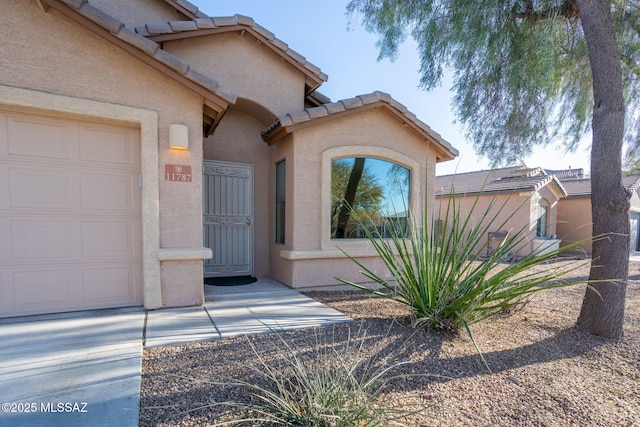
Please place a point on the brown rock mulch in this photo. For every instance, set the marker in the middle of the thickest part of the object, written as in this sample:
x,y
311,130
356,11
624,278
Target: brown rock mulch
x,y
544,372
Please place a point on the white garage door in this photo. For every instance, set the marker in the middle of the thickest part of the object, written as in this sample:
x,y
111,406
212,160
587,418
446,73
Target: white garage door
x,y
70,234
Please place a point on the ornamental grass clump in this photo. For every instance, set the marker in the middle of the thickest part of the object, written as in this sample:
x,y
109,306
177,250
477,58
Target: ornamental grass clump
x,y
333,384
444,272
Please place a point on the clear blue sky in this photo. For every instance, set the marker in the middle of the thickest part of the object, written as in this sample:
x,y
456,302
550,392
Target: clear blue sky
x,y
321,31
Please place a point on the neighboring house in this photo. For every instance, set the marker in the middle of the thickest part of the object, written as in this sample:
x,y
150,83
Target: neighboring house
x,y
529,194
575,222
139,138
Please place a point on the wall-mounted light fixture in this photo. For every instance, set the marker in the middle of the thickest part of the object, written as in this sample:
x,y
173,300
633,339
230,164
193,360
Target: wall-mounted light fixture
x,y
178,136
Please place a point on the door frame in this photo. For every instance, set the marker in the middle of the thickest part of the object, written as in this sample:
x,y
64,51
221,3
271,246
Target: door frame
x,y
250,218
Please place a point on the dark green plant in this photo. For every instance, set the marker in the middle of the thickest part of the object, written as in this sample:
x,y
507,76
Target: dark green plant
x,y
443,273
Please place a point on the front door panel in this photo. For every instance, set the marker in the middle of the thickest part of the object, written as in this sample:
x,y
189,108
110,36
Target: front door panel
x,y
228,218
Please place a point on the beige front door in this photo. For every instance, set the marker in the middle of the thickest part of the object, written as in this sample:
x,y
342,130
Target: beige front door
x,y
228,218
69,215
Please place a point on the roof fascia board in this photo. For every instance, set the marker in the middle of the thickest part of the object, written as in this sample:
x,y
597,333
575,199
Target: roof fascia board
x,y
312,80
214,101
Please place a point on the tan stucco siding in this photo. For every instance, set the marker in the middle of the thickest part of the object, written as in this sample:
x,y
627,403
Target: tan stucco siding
x,y
237,139
309,250
499,212
575,222
245,67
139,12
373,133
550,198
68,60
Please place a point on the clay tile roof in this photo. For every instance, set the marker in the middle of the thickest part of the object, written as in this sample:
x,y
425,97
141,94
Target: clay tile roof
x,y
581,188
505,180
566,173
286,123
118,33
187,8
194,28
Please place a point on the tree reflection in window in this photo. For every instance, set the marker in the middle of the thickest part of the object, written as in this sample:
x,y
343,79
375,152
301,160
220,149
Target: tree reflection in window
x,y
372,189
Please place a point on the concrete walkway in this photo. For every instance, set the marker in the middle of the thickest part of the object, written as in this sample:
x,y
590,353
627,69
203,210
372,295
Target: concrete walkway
x,y
229,311
84,368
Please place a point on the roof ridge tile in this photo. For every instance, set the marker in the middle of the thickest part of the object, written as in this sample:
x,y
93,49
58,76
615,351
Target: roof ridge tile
x,y
188,5
224,21
108,22
76,4
144,44
204,23
172,61
155,29
244,20
179,26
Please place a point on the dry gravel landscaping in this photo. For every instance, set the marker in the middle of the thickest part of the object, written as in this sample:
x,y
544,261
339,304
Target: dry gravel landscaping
x,y
544,372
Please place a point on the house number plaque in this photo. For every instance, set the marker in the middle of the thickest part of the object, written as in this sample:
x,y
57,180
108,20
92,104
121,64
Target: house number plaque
x,y
177,173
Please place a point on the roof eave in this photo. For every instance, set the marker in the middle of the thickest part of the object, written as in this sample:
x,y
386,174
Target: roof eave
x,y
312,80
218,102
285,126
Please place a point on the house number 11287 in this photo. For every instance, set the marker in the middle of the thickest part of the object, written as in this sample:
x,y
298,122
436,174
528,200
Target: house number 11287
x,y
177,173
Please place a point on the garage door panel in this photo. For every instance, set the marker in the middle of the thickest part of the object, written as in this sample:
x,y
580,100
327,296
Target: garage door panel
x,y
111,285
70,215
37,239
39,189
108,145
38,137
110,192
40,290
110,239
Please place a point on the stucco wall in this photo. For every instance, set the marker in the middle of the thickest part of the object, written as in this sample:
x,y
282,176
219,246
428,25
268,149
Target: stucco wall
x,y
498,212
66,59
575,223
246,68
310,258
139,12
237,139
551,199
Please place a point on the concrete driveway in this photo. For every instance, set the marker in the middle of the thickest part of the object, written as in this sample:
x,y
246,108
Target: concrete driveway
x,y
75,369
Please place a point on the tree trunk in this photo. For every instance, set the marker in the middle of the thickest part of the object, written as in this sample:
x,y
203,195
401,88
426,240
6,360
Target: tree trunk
x,y
602,311
349,197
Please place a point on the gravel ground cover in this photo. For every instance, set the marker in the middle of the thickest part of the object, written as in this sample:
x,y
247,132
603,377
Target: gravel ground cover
x,y
543,371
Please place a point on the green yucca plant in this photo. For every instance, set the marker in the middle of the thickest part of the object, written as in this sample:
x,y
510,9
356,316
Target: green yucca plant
x,y
440,270
333,385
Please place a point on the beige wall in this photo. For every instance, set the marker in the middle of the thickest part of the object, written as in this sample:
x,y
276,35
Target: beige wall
x,y
514,212
139,12
67,60
506,212
575,223
309,257
248,69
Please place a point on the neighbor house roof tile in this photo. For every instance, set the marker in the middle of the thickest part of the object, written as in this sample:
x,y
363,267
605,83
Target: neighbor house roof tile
x,y
581,188
505,180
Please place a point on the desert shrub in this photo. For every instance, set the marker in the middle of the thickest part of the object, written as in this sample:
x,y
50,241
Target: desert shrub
x,y
333,384
443,272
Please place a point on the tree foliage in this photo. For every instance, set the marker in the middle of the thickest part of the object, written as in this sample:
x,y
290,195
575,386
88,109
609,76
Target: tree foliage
x,y
527,72
365,198
520,67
